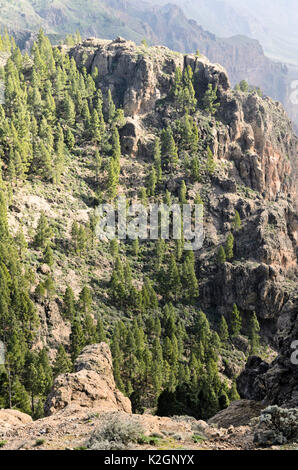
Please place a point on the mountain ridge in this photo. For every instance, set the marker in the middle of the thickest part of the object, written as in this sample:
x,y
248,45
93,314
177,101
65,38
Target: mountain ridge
x,y
159,25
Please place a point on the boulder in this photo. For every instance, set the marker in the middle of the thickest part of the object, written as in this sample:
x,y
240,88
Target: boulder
x,y
92,384
246,382
11,419
239,413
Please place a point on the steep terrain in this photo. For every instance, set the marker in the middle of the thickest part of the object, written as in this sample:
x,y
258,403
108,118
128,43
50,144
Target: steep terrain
x,y
82,124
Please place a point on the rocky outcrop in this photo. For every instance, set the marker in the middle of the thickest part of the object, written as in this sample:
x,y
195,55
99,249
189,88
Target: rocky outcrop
x,y
246,382
91,386
12,419
239,413
255,133
276,383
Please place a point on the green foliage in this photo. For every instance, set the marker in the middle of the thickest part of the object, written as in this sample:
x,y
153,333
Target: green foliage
x,y
58,131
223,329
235,321
237,221
221,255
229,250
209,100
254,330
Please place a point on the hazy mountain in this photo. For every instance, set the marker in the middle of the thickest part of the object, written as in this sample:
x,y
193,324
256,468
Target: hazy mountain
x,y
272,22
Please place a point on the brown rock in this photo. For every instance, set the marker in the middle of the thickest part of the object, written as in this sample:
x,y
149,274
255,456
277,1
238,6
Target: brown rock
x,y
92,384
239,413
12,419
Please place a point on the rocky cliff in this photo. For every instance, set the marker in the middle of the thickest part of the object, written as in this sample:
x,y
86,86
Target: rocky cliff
x,y
254,143
243,57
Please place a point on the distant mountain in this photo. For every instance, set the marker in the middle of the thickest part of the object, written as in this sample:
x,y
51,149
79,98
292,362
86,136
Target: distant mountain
x,y
272,22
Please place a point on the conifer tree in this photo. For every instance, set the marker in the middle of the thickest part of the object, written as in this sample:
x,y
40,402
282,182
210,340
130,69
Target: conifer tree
x,y
77,339
223,329
221,255
229,247
253,333
69,304
237,221
62,363
209,100
236,321
152,180
43,232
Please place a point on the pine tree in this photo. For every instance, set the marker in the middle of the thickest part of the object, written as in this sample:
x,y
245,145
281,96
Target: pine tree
x,y
236,321
221,255
253,333
111,108
237,221
77,339
169,149
69,304
101,335
183,191
85,300
209,100
48,257
223,329
229,250
43,232
152,180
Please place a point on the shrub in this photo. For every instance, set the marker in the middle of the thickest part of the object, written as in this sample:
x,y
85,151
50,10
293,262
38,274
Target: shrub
x,y
116,434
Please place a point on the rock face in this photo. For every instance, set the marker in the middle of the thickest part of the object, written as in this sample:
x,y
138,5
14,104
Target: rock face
x,y
239,413
257,135
92,384
252,138
246,382
277,384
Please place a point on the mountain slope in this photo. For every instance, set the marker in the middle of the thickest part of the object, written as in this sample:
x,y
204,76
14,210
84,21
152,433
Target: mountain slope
x,y
81,125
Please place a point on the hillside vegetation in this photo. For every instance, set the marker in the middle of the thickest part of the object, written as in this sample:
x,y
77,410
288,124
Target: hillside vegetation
x,y
62,153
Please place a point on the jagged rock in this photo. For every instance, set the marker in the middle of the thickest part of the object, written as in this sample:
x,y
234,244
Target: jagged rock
x,y
258,135
241,343
92,384
277,383
246,382
239,413
276,426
